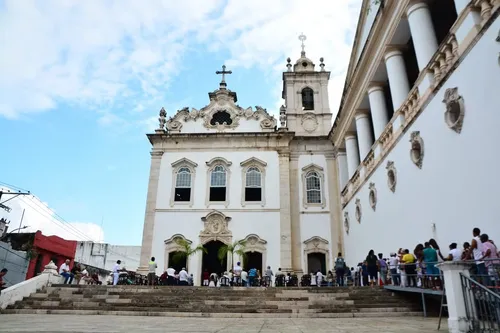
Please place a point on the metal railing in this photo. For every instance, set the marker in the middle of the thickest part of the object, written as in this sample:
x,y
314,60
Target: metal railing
x,y
482,306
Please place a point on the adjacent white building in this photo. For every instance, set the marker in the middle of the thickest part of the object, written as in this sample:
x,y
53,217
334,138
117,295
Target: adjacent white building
x,y
410,156
105,256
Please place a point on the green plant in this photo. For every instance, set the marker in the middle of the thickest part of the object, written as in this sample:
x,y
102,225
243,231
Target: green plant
x,y
238,247
186,251
373,3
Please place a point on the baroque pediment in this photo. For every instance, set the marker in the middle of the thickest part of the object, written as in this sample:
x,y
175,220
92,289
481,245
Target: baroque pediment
x,y
221,114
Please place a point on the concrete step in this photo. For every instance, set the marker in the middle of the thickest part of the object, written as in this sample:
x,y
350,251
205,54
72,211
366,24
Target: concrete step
x,y
212,315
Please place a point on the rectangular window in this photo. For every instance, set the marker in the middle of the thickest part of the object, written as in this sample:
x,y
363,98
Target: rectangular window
x,y
182,194
253,194
217,194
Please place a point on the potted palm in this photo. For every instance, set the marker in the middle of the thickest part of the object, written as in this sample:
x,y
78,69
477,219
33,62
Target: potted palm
x,y
237,247
186,250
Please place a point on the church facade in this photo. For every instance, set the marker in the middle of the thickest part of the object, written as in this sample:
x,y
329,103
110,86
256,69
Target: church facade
x,y
410,155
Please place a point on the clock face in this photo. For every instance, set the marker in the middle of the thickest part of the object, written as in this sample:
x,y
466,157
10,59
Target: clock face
x,y
221,117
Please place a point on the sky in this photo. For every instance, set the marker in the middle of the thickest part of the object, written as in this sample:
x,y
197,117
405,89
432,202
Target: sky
x,y
82,82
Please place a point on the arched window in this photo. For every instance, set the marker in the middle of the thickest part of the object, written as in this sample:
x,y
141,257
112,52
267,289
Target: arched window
x,y
307,99
253,184
313,187
218,184
183,185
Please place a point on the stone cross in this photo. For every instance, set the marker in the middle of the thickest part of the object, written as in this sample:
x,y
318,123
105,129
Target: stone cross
x,y
223,72
302,38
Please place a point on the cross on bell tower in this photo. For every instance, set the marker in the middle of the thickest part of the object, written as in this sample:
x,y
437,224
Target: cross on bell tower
x,y
223,84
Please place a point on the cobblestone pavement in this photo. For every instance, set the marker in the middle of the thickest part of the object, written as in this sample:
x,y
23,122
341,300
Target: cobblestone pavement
x,y
108,324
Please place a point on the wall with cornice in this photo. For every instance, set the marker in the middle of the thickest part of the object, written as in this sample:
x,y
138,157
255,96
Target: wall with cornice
x,y
458,186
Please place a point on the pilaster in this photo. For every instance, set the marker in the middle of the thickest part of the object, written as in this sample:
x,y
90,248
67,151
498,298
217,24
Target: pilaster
x,y
149,219
285,216
295,187
335,206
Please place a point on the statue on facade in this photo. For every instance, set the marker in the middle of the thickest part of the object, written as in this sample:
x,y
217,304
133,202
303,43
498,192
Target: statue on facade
x,y
163,118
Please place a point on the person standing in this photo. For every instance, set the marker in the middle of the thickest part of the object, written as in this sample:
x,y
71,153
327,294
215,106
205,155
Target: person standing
x,y
152,271
340,269
477,253
183,277
382,264
372,264
116,272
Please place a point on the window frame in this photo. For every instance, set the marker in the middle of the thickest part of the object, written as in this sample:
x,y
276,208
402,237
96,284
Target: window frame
x,y
176,167
214,162
302,98
320,172
253,162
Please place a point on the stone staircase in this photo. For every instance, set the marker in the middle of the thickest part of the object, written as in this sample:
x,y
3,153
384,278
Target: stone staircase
x,y
215,302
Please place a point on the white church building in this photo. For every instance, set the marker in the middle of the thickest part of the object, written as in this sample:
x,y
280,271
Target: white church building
x,y
409,157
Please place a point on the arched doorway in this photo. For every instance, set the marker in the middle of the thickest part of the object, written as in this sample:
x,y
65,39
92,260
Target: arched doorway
x,y
316,261
211,261
252,260
176,264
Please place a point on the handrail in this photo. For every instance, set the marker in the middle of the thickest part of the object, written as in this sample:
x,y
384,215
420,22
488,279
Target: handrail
x,y
479,285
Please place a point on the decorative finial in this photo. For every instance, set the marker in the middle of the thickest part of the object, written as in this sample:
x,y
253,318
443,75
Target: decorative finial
x,y
289,65
223,72
302,38
163,118
322,65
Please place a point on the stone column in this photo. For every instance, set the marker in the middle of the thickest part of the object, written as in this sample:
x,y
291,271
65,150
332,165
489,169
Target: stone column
x,y
351,146
285,216
454,295
422,32
149,219
364,132
398,80
295,188
342,167
378,108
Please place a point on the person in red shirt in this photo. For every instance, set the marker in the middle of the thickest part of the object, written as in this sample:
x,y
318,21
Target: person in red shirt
x,y
206,277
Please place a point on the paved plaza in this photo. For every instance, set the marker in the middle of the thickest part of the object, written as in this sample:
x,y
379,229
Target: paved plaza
x,y
108,324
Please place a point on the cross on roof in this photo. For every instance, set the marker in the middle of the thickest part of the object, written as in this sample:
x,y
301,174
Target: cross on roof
x,y
223,72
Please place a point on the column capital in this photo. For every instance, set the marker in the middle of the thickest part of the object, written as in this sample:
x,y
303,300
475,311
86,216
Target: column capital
x,y
375,86
350,135
156,153
415,5
341,152
362,113
392,51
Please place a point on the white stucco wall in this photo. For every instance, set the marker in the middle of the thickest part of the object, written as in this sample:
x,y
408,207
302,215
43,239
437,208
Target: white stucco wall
x,y
104,256
458,186
234,178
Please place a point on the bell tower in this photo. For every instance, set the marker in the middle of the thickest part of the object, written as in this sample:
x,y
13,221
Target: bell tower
x,y
305,92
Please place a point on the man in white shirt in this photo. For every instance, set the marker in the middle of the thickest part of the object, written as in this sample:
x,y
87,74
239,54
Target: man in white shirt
x,y
116,272
65,271
319,278
152,271
237,273
244,278
183,277
170,276
477,252
455,253
393,267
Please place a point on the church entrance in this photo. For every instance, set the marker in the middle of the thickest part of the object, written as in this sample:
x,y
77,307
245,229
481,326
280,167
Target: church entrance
x,y
211,261
316,261
252,260
176,264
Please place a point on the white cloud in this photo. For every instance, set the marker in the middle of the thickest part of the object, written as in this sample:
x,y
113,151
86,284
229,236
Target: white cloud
x,y
123,54
38,216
